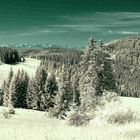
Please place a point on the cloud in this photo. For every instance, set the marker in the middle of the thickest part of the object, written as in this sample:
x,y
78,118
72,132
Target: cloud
x,y
51,31
77,27
45,31
128,33
40,31
110,31
25,34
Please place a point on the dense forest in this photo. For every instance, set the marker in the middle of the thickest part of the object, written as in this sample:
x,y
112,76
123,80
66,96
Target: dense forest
x,y
79,79
9,55
55,88
126,55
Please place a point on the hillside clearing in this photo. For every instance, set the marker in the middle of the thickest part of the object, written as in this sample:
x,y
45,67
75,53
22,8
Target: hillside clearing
x,y
29,65
35,125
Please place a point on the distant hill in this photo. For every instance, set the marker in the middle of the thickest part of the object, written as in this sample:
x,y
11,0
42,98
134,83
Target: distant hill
x,y
115,46
126,55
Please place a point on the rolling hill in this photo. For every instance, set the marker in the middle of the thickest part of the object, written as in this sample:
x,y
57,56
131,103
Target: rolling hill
x,y
125,53
29,65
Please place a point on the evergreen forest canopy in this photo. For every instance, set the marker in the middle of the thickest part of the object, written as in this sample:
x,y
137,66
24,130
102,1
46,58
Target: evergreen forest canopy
x,y
76,78
9,55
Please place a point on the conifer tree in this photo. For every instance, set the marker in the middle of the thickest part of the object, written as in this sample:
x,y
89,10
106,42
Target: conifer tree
x,y
23,86
18,90
6,88
88,84
75,88
1,97
96,76
40,80
65,96
51,90
3,91
15,89
8,55
30,93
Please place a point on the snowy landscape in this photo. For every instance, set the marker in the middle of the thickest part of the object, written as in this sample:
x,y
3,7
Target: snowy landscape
x,y
35,125
69,70
30,65
57,94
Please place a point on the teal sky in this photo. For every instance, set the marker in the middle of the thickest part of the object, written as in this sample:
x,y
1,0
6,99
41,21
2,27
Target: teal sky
x,y
67,22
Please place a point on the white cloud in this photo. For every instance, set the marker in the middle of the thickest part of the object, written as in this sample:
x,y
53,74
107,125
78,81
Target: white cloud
x,y
128,33
52,31
110,31
25,34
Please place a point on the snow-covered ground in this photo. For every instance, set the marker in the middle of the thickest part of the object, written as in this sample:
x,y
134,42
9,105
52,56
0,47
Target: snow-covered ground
x,y
35,125
132,102
29,65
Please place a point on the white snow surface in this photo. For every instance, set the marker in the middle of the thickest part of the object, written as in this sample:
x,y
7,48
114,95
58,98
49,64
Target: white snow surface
x,y
30,65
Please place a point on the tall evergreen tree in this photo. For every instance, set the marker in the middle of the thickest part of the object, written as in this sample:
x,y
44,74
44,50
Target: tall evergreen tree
x,y
75,88
40,80
96,76
23,86
88,85
51,90
14,89
6,88
18,90
65,95
30,93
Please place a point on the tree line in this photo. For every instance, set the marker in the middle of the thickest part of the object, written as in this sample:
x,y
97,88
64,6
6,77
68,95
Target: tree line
x,y
67,86
126,53
62,81
9,55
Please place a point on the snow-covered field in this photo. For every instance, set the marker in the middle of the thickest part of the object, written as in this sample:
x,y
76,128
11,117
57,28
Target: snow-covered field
x,y
132,102
35,125
29,65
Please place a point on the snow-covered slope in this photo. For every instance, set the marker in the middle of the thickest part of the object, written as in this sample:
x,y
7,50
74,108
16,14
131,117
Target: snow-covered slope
x,y
29,65
35,125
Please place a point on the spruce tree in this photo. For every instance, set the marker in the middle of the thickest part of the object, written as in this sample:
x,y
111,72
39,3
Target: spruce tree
x,y
6,88
40,80
32,95
15,89
29,96
64,97
96,76
88,85
75,88
23,86
18,90
51,90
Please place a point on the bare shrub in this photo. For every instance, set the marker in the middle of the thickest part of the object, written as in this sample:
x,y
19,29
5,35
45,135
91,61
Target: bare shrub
x,y
11,110
108,97
57,112
5,114
77,118
115,112
122,117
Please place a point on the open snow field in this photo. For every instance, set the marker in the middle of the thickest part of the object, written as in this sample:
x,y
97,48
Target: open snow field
x,y
29,65
35,125
133,103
